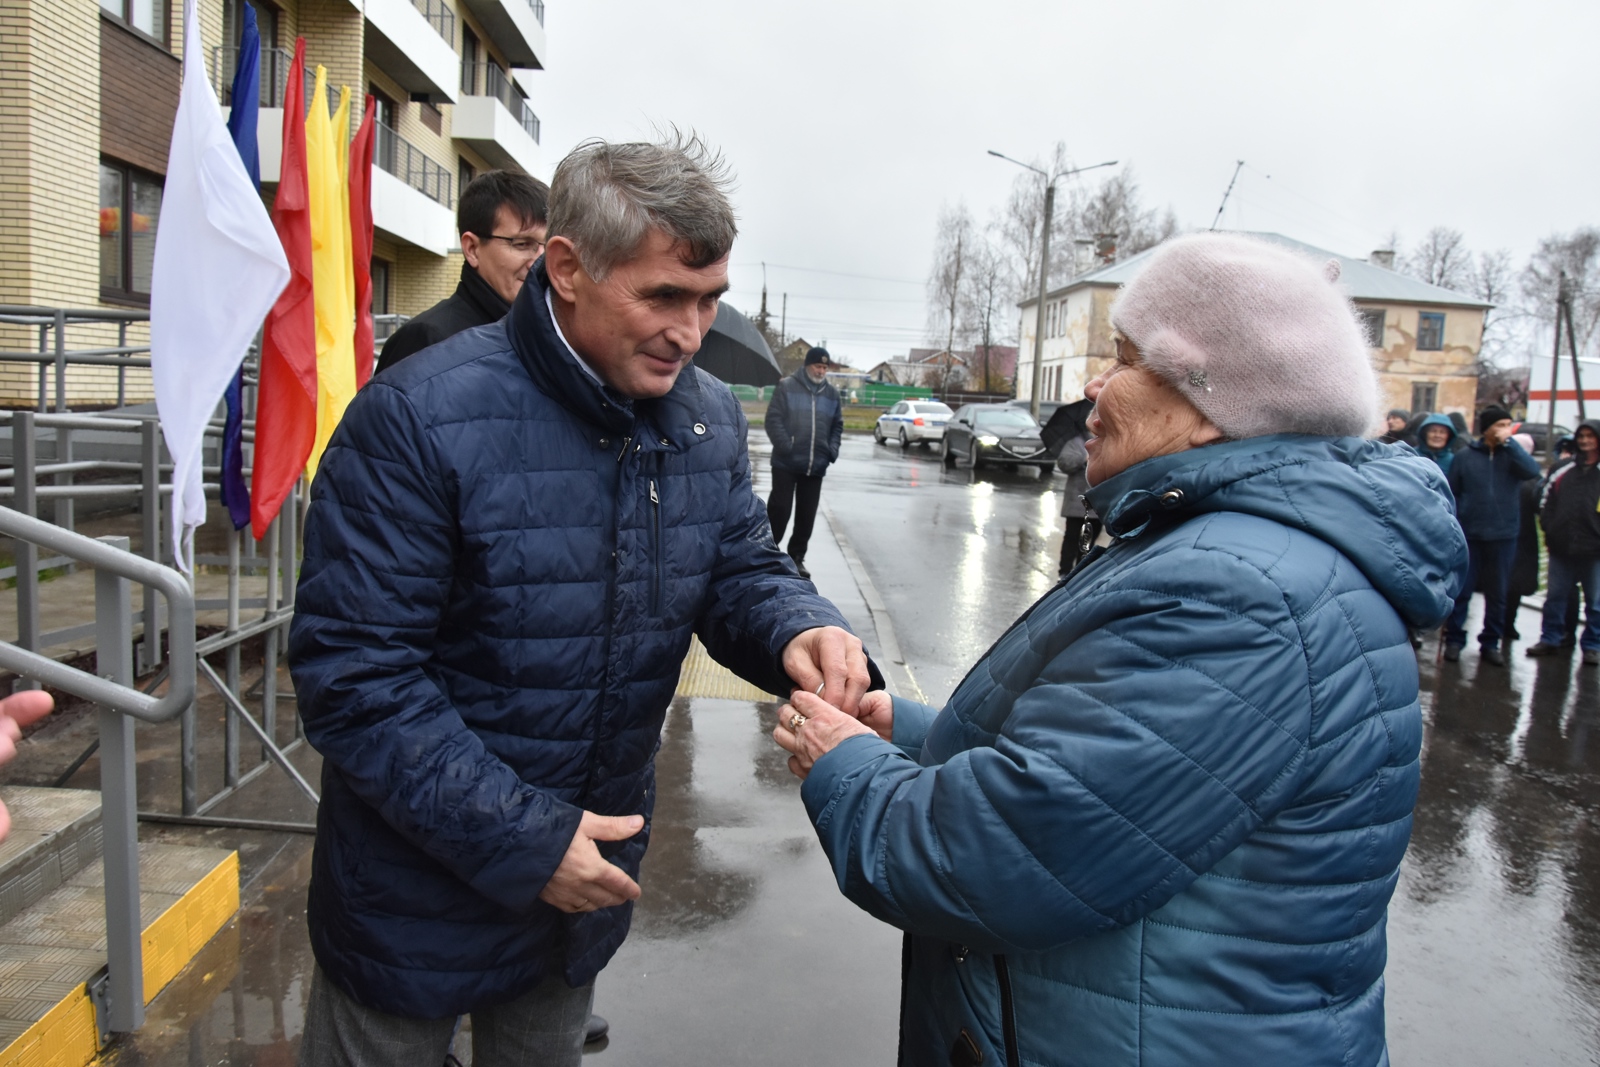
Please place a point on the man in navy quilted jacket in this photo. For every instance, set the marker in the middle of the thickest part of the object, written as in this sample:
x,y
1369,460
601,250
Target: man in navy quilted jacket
x,y
512,538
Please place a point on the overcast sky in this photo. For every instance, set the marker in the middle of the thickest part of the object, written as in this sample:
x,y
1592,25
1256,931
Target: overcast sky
x,y
850,122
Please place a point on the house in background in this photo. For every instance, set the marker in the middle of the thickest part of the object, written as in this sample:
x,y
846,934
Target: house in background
x,y
1424,339
963,369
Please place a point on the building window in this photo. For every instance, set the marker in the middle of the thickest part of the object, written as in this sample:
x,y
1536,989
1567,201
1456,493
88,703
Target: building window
x,y
1372,322
148,16
1430,331
380,287
431,117
469,62
465,172
1424,396
130,208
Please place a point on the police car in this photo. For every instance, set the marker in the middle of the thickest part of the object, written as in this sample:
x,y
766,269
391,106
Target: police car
x,y
920,421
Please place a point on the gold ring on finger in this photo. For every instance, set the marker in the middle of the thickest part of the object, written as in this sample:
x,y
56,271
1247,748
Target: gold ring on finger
x,y
796,721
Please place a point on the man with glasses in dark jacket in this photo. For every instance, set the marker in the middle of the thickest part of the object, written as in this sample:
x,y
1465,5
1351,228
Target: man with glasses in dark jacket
x,y
502,217
805,423
512,539
1486,479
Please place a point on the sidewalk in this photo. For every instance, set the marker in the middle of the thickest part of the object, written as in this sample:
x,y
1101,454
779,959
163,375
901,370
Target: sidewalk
x,y
742,950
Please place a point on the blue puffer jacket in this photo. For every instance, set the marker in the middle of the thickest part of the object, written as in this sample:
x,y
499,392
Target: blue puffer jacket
x,y
805,422
1160,821
503,568
1488,490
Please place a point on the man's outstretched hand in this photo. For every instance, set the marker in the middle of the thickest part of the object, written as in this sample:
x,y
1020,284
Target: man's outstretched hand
x,y
586,880
830,657
16,711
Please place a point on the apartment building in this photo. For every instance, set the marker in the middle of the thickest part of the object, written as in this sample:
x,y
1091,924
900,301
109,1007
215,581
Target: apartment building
x,y
1424,339
88,92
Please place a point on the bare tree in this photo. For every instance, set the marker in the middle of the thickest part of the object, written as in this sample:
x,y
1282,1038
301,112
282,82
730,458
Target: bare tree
x,y
1578,255
987,304
1489,278
1441,259
948,280
1113,206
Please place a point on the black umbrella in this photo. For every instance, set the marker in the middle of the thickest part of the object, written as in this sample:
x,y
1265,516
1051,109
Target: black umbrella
x,y
735,351
1070,420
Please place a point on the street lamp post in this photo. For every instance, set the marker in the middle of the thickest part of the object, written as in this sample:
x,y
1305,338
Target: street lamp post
x,y
1044,267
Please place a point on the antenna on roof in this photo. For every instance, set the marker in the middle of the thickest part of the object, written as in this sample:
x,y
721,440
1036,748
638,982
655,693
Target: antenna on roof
x,y
1227,193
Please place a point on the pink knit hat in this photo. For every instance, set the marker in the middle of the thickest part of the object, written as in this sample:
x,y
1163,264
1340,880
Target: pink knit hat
x,y
1259,338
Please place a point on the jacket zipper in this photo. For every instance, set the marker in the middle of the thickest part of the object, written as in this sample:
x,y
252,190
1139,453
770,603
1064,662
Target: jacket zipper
x,y
812,458
1008,1013
655,549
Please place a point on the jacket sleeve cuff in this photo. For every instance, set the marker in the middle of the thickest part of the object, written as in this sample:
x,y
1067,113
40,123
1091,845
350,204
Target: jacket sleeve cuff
x,y
911,724
831,774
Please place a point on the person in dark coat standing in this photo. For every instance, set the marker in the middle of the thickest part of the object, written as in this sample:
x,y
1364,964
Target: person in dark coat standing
x,y
1485,478
1571,517
805,423
1524,578
1396,425
502,217
512,539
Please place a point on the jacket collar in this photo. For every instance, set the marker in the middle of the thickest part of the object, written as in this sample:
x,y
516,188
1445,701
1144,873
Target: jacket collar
x,y
477,292
678,419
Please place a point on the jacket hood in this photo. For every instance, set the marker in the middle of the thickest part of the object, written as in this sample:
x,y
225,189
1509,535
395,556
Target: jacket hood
x,y
1435,420
1386,508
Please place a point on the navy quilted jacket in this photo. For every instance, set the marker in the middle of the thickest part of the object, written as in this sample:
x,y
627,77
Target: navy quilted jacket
x,y
503,567
1160,822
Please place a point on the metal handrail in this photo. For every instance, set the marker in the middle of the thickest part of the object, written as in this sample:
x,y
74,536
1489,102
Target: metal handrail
x,y
275,64
538,10
498,84
102,557
439,16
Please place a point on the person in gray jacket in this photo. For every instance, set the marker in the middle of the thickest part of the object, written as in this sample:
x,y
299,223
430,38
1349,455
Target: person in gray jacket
x,y
1072,461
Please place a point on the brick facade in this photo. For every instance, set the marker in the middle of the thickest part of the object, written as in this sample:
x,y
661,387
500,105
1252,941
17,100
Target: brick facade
x,y
77,86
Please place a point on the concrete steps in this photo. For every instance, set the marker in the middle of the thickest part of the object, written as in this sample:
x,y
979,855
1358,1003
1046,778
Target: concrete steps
x,y
52,920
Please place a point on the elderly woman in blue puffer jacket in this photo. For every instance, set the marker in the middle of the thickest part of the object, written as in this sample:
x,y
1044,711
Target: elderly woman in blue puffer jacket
x,y
1161,820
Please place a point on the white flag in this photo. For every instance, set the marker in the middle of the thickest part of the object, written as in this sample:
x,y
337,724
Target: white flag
x,y
218,270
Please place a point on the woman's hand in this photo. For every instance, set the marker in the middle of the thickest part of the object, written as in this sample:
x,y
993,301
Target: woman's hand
x,y
16,711
809,727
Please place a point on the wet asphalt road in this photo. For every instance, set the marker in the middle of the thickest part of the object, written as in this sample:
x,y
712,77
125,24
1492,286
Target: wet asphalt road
x,y
742,951
1494,932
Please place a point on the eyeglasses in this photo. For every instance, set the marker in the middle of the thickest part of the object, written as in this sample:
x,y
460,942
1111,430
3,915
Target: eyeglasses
x,y
522,245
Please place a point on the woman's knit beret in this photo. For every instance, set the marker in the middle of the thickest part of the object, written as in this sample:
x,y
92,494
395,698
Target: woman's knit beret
x,y
1259,338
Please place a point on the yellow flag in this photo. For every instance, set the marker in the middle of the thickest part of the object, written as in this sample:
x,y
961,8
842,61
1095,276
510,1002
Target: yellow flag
x,y
332,291
341,125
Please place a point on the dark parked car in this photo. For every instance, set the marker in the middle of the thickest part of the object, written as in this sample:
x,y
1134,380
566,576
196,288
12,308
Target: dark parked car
x,y
1537,431
995,433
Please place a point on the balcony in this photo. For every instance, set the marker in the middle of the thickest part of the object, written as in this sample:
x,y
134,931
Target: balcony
x,y
413,41
495,119
275,64
413,197
516,27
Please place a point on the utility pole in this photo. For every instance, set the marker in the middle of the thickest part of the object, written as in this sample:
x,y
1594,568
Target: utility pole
x,y
1226,193
1555,369
1044,267
783,324
1572,350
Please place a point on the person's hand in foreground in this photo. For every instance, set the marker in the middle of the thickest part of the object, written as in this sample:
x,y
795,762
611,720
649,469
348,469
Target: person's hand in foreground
x,y
586,880
832,658
809,727
16,711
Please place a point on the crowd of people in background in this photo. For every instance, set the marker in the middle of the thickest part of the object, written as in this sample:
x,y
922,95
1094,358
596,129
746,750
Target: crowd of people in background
x,y
1504,500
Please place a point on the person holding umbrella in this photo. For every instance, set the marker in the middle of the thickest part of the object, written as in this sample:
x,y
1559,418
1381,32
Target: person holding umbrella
x,y
1064,434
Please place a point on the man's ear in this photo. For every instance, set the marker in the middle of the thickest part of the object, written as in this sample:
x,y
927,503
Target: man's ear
x,y
562,265
471,243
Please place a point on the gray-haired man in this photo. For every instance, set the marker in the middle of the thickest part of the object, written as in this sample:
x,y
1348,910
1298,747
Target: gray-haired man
x,y
513,536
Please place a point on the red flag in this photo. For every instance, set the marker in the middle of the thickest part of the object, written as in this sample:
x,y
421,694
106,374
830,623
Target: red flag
x,y
286,410
361,238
